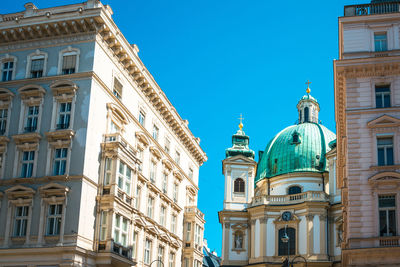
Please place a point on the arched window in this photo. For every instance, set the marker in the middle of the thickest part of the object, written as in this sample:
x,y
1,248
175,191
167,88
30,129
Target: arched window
x,y
306,114
238,241
294,190
283,246
239,185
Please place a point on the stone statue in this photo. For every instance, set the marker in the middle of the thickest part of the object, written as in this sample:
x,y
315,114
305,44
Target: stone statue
x,y
238,241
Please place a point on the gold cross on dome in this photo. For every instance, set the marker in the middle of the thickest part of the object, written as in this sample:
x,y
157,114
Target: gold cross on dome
x,y
308,87
241,121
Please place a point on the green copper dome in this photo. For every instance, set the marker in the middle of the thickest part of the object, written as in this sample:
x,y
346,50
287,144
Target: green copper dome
x,y
297,148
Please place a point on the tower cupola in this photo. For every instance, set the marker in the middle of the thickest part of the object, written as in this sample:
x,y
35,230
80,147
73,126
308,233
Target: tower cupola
x,y
308,107
240,144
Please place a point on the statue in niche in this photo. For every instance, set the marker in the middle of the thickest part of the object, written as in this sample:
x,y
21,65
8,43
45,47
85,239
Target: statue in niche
x,y
238,240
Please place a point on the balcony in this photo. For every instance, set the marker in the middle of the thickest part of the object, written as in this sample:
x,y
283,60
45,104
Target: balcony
x,y
195,210
372,9
115,140
124,196
309,196
114,254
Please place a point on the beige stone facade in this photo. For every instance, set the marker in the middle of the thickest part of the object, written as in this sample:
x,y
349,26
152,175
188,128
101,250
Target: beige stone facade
x,y
97,168
367,99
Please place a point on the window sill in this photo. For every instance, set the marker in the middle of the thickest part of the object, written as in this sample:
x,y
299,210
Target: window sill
x,y
51,238
18,239
384,168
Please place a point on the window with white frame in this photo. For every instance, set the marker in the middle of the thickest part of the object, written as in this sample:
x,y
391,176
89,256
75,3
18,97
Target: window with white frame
x,y
27,162
64,115
107,171
117,90
69,63
387,215
7,70
21,220
162,215
124,178
121,230
164,183
60,161
173,223
175,192
380,41
171,262
134,242
103,225
153,171
114,128
197,234
382,96
167,145
142,118
32,118
54,217
150,207
186,262
140,157
37,67
3,120
190,174
155,132
177,157
188,231
160,256
147,251
137,198
385,151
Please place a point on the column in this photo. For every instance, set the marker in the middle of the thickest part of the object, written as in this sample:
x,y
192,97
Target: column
x,y
227,242
28,227
263,236
252,238
310,234
9,220
63,218
323,233
41,221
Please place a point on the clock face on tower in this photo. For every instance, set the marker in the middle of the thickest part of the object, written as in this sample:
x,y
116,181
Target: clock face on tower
x,y
287,216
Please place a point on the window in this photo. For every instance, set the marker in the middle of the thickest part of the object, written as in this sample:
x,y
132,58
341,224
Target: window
x,y
238,240
142,118
306,114
150,205
190,174
124,178
283,247
167,145
54,219
173,224
175,192
380,41
147,251
69,63
7,71
294,190
188,230
155,132
382,96
177,157
27,161
113,127
103,225
171,262
387,215
138,193
3,120
140,157
153,171
60,161
107,171
162,215
197,235
164,183
32,119
238,186
37,66
64,115
186,261
120,230
160,256
134,241
117,90
296,138
385,151
21,220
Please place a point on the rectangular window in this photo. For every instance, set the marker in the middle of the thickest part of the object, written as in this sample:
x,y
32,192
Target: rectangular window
x,y
153,171
171,262
142,118
27,161
54,219
382,96
188,231
160,257
21,220
3,120
117,91
173,224
186,262
7,71
175,192
190,174
37,66
167,145
107,171
387,215
177,157
120,230
124,178
134,241
103,225
147,251
64,115
60,161
150,206
385,151
155,132
380,40
69,64
164,183
137,199
162,215
32,119
197,235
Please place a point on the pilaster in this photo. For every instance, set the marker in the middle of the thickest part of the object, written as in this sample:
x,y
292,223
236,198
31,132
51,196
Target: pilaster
x,y
323,234
263,237
310,234
252,239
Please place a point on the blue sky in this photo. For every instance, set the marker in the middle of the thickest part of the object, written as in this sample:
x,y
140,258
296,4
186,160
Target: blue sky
x,y
218,59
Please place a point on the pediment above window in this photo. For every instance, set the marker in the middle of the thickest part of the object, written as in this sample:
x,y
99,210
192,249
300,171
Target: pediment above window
x,y
142,138
191,190
178,175
32,93
384,121
27,141
54,191
20,192
118,115
60,138
5,96
385,180
167,164
63,90
155,152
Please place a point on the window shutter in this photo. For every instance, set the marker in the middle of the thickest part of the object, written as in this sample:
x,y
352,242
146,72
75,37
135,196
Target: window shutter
x,y
69,62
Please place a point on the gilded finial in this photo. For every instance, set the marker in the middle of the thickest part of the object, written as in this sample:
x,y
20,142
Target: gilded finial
x,y
308,90
241,122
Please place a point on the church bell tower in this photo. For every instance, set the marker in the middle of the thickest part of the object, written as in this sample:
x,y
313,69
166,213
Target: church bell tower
x,y
239,169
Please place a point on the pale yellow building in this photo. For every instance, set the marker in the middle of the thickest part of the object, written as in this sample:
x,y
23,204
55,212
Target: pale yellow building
x,y
367,103
97,168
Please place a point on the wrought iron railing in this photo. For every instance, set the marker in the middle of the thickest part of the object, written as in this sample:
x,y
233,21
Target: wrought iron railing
x,y
372,9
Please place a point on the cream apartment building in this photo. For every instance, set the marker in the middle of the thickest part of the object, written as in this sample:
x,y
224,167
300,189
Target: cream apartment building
x,y
367,99
97,168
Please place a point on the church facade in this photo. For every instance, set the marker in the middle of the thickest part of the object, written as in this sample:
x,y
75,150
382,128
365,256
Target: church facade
x,y
287,203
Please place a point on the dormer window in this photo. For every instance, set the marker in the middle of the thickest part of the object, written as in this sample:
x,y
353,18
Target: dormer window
x,y
296,138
